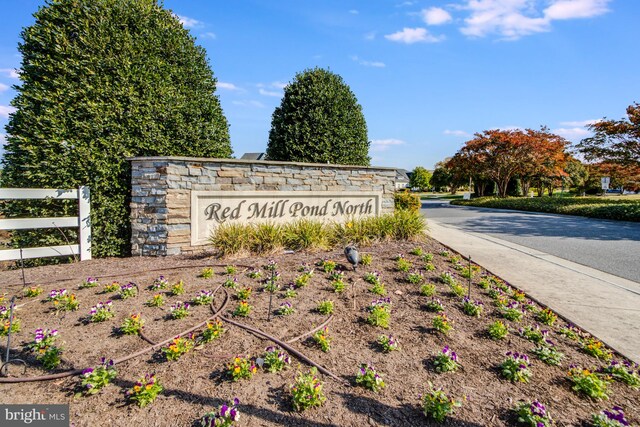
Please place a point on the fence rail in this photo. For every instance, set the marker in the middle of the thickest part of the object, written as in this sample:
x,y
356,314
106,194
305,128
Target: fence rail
x,y
82,222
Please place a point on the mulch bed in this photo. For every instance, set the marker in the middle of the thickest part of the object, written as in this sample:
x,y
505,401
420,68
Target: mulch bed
x,y
198,382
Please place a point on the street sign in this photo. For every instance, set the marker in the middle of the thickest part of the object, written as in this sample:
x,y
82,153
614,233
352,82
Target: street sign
x,y
604,182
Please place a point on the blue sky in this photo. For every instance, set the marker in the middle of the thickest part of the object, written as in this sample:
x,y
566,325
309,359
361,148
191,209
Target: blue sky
x,y
428,74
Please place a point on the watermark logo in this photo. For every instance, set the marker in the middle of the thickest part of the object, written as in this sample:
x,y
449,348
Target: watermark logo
x,y
34,415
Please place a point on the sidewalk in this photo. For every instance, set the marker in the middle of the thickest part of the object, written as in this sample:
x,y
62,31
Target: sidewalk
x,y
607,306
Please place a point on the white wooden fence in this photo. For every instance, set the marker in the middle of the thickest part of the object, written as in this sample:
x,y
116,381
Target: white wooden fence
x,y
82,222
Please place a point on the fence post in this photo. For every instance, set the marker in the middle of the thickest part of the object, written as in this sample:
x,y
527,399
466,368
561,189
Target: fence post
x,y
84,223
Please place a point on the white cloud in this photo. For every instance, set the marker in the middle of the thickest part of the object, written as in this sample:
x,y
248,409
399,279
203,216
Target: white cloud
x,y
580,123
354,12
435,16
208,35
374,64
406,4
573,9
265,92
227,86
189,22
3,87
456,133
248,103
10,72
572,134
370,36
512,19
279,85
385,144
413,35
5,110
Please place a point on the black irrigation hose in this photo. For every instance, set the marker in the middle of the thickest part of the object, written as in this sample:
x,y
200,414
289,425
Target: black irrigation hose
x,y
75,372
306,334
283,345
133,273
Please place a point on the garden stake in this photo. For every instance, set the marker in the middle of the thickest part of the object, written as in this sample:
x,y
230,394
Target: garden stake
x,y
469,292
270,297
4,369
24,282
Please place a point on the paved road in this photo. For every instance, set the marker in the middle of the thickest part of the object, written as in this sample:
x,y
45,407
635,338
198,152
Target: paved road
x,y
609,246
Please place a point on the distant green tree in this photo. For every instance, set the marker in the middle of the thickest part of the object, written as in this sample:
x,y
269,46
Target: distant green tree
x,y
420,178
441,176
103,80
319,121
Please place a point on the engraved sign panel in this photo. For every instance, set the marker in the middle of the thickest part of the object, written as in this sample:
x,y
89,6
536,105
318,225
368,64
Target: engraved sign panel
x,y
212,208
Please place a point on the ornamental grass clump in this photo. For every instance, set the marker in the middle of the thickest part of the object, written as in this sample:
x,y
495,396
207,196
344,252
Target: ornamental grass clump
x,y
367,377
624,372
613,418
90,282
415,278
471,307
322,339
128,290
44,348
388,343
93,380
434,305
596,348
177,347
325,307
241,368
285,309
132,325
446,361
32,291
515,367
144,391
379,312
548,353
533,414
307,392
203,297
179,310
546,316
243,309
101,312
437,405
497,330
156,301
159,283
275,360
442,324
512,312
224,416
588,383
428,289
213,331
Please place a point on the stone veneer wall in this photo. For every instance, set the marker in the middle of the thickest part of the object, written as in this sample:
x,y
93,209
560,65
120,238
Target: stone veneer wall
x,y
161,191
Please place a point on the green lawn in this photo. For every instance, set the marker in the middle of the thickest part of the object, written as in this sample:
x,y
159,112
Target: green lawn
x,y
623,208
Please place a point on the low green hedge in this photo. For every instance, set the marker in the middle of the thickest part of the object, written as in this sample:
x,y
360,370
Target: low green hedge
x,y
592,207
